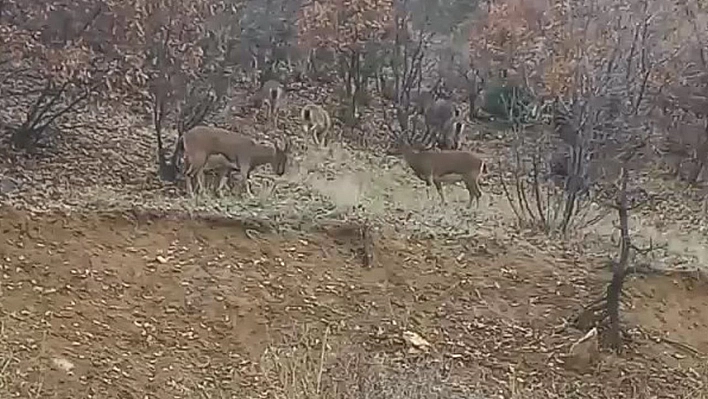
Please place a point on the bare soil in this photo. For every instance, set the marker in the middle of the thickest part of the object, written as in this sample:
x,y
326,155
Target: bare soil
x,y
132,306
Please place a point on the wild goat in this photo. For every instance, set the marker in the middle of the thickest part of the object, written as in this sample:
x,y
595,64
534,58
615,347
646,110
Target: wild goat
x,y
316,121
451,136
440,113
240,151
446,166
273,94
443,124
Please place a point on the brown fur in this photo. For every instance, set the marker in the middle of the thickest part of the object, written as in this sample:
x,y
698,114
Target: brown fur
x,y
422,101
447,166
316,121
240,151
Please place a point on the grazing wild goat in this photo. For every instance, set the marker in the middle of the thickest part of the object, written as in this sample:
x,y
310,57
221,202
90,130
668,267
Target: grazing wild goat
x,y
446,166
271,93
240,151
316,121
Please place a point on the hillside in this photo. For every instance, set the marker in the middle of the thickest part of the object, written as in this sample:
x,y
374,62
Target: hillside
x,y
117,285
132,306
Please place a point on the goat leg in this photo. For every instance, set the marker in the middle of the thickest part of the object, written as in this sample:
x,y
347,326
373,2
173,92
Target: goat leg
x,y
245,174
223,176
438,187
190,189
200,182
472,190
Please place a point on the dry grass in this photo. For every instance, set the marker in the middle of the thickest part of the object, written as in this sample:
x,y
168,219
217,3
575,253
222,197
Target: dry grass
x,y
306,367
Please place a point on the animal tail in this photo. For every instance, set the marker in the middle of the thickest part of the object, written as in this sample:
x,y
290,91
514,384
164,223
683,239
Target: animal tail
x,y
273,94
484,168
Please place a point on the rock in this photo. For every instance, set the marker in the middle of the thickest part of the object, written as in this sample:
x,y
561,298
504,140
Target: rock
x,y
584,353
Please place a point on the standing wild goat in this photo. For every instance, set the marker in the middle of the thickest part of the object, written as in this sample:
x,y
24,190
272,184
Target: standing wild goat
x,y
451,136
240,151
443,126
273,94
440,113
316,121
446,166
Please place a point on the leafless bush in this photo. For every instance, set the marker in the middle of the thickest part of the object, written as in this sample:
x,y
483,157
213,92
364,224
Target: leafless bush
x,y
600,102
311,368
535,198
186,83
48,64
683,116
406,63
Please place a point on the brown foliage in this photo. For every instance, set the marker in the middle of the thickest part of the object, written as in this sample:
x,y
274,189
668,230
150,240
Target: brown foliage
x,y
344,24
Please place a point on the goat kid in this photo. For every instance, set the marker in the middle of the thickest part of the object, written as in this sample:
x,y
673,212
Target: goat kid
x,y
440,112
240,151
443,123
223,167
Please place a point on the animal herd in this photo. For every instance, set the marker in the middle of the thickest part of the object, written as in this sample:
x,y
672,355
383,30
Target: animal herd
x,y
207,148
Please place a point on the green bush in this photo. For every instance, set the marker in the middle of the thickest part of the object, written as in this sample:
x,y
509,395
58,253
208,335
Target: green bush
x,y
499,100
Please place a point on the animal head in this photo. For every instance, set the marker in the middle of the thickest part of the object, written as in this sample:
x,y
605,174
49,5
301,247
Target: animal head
x,y
408,145
306,116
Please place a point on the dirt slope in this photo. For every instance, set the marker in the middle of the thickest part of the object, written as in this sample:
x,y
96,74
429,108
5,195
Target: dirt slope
x,y
112,306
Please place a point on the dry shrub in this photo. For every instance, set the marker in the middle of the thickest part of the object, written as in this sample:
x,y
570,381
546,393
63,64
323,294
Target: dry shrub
x,y
310,367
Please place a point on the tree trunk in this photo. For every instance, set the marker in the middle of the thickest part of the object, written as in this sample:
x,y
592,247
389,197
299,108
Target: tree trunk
x,y
614,290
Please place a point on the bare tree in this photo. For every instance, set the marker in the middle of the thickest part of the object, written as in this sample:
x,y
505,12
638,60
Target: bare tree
x,y
607,308
51,64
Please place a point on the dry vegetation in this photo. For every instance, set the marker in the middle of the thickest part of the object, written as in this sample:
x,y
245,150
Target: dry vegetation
x,y
346,277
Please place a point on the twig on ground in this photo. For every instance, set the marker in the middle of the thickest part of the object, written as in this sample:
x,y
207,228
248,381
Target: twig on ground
x,y
322,358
